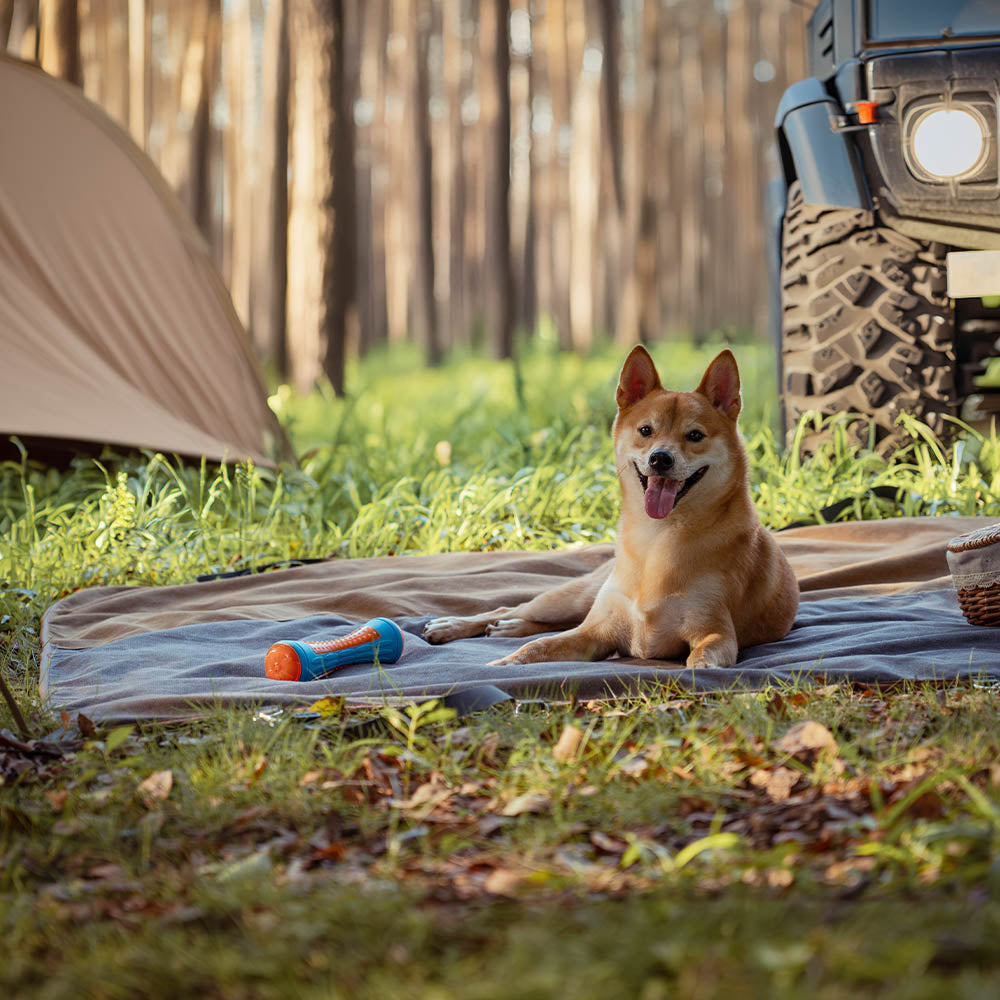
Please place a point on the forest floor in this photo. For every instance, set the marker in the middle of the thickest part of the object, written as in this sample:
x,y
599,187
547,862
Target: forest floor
x,y
817,840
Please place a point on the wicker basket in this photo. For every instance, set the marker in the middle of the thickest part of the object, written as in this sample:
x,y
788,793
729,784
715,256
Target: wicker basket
x,y
974,561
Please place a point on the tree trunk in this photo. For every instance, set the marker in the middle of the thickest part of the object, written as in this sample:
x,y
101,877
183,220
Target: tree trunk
x,y
557,182
499,286
239,147
138,54
270,283
320,257
374,67
59,40
640,313
423,312
6,20
610,31
584,194
455,88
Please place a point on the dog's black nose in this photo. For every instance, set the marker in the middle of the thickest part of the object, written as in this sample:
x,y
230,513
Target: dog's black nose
x,y
661,462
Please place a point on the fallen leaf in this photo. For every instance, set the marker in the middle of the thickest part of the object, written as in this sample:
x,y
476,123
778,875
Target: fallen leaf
x,y
68,827
777,782
568,744
107,870
327,707
606,844
778,878
332,852
503,881
488,825
424,799
529,802
156,787
807,738
57,798
86,727
634,767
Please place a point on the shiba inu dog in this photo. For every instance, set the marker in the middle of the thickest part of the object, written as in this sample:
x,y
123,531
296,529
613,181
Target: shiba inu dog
x,y
695,574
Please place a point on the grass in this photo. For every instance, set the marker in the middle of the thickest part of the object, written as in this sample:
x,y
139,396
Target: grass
x,y
663,846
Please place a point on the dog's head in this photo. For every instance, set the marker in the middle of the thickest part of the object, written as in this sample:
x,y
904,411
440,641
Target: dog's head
x,y
677,447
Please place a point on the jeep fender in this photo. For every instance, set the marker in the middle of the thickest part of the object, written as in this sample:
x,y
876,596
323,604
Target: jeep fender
x,y
826,162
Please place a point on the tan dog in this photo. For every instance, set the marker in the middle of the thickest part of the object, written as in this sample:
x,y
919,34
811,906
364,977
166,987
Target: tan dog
x,y
695,572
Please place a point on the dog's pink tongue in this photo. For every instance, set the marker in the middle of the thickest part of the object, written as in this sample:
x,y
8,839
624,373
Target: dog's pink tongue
x,y
660,496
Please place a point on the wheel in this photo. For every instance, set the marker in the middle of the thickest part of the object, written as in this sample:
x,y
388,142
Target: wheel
x,y
866,322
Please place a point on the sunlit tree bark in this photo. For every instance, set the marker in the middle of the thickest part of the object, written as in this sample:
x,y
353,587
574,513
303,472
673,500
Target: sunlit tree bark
x,y
495,102
271,209
321,287
6,21
59,45
423,311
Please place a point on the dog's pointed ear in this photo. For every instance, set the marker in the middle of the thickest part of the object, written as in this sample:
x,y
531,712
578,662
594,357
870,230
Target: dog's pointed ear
x,y
721,385
638,378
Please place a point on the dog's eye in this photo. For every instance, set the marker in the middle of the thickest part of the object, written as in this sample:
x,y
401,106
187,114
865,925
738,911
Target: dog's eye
x,y
695,435
645,430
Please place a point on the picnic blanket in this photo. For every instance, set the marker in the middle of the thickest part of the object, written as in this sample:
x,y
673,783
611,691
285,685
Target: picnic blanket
x,y
877,607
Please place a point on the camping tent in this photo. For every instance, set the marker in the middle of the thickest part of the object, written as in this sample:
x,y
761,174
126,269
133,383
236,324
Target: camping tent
x,y
114,325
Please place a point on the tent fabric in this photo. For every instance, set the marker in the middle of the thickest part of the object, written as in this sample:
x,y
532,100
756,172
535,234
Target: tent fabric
x,y
877,606
115,327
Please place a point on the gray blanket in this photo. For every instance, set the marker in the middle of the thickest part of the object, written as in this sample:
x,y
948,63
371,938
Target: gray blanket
x,y
877,608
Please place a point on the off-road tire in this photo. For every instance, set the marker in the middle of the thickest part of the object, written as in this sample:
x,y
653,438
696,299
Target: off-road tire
x,y
867,326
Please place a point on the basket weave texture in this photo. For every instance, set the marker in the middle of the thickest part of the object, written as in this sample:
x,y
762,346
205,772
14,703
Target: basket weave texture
x,y
974,561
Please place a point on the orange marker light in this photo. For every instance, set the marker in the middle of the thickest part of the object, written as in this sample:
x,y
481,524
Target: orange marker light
x,y
866,111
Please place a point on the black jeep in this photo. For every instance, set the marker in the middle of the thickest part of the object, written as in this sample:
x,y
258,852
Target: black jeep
x,y
890,222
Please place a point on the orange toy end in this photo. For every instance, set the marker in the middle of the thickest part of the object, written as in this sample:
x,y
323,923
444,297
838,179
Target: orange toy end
x,y
282,663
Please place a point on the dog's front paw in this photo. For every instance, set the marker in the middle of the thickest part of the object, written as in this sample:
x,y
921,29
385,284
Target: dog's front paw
x,y
531,652
711,658
509,659
511,628
440,630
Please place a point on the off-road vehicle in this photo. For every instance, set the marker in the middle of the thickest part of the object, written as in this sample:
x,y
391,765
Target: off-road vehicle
x,y
889,236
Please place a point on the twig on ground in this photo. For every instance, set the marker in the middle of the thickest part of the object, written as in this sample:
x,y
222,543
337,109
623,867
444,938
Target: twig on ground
x,y
14,710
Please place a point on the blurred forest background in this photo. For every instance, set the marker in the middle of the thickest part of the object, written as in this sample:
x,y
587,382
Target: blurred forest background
x,y
454,172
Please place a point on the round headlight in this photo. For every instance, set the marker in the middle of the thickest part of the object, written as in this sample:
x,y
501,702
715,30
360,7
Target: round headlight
x,y
948,143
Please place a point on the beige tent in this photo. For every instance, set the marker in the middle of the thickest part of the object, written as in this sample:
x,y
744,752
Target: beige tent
x,y
114,325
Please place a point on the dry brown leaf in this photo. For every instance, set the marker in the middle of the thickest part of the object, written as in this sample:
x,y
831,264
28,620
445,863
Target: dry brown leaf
x,y
568,744
57,798
807,737
488,747
106,871
503,881
634,767
424,799
156,787
777,782
259,767
488,825
606,844
529,802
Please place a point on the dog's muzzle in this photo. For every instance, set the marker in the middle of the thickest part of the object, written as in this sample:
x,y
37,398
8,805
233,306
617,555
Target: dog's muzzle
x,y
661,499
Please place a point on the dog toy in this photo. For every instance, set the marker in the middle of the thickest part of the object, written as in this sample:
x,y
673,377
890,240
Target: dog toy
x,y
297,660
